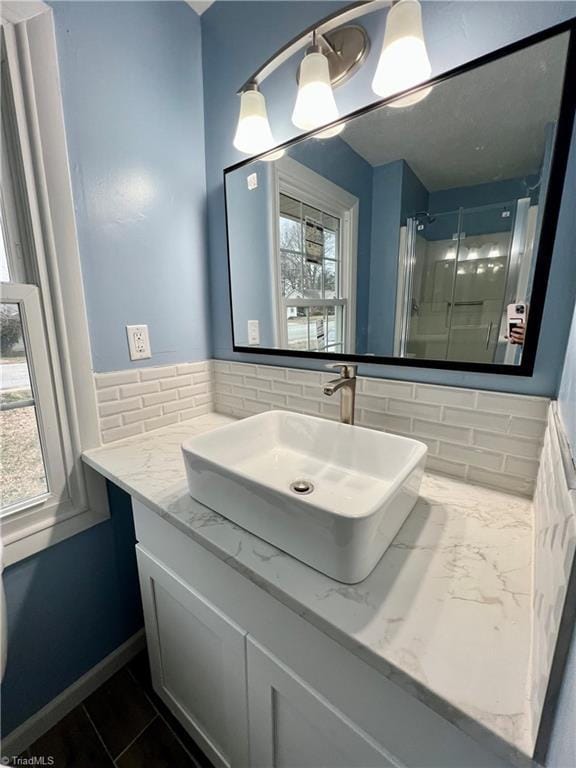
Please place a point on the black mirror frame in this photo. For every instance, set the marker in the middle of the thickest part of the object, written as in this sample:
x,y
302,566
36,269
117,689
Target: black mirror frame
x,y
549,220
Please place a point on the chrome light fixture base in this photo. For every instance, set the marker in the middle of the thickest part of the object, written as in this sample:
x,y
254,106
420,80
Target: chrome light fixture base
x,y
345,48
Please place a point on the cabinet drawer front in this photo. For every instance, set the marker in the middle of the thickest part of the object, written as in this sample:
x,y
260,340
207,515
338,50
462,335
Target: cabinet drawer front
x,y
197,657
293,726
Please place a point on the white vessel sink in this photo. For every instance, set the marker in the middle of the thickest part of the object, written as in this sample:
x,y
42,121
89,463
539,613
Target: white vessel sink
x,y
363,485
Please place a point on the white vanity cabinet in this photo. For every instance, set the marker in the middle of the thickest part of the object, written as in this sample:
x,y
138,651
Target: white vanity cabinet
x,y
291,724
258,686
197,660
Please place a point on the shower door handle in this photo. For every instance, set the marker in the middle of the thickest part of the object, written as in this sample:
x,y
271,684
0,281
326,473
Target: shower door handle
x,y
489,334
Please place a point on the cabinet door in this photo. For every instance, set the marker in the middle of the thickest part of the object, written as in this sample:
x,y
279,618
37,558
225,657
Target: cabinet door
x,y
197,658
293,726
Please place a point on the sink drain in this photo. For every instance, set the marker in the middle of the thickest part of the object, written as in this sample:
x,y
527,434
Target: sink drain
x,y
301,487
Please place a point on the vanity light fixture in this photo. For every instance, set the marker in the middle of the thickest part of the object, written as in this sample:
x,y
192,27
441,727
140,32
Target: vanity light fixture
x,y
253,133
338,49
404,61
315,103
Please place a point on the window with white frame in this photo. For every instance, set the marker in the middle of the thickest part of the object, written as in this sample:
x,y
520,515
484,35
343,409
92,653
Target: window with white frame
x,y
315,261
31,455
47,403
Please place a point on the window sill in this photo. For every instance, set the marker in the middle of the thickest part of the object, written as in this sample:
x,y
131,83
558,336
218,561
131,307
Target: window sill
x,y
23,538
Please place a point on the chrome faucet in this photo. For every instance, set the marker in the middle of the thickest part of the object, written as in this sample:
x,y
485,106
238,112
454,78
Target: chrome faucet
x,y
347,383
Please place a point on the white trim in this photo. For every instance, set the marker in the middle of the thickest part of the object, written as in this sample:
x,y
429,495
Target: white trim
x,y
32,54
27,298
36,726
15,11
400,288
291,177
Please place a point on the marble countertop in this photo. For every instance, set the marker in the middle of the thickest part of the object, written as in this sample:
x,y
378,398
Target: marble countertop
x,y
445,614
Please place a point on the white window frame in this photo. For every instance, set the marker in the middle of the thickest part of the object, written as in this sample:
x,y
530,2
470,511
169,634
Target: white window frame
x,y
30,49
296,180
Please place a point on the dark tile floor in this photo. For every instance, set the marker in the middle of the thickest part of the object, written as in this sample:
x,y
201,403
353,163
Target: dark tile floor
x,y
121,725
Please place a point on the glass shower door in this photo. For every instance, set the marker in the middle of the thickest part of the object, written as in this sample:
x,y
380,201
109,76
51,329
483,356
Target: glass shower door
x,y
433,248
479,288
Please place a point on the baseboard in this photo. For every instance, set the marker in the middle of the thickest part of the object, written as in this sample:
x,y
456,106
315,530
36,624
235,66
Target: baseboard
x,y
37,725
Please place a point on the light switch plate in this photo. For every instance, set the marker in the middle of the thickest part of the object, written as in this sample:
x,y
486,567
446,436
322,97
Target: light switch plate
x,y
253,333
252,181
138,342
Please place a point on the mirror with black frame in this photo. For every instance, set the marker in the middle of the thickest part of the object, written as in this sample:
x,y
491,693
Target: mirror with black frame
x,y
418,235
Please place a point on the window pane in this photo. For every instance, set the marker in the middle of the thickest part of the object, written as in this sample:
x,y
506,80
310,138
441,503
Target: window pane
x,y
334,330
312,280
330,279
21,461
317,329
291,274
290,234
297,322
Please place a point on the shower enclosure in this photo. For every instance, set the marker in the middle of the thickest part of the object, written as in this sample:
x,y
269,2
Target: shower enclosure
x,y
458,271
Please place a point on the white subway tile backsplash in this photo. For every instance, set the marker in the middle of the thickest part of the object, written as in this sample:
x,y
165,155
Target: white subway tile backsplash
x,y
134,401
517,446
303,404
176,382
114,379
120,433
489,438
108,422
497,422
445,467
153,374
305,377
192,368
269,372
162,421
515,405
192,413
386,388
141,388
445,395
108,394
158,398
287,387
502,481
472,456
410,408
119,406
273,398
179,405
142,414
196,389
524,467
442,431
527,427
386,421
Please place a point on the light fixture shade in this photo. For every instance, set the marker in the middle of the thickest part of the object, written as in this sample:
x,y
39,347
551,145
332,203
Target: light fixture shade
x,y
253,134
315,104
404,61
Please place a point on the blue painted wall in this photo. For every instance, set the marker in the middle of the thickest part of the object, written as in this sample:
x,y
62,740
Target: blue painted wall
x,y
131,78
386,221
68,607
250,232
456,32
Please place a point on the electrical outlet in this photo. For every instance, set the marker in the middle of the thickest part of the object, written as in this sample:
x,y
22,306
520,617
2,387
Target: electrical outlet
x,y
253,333
138,342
